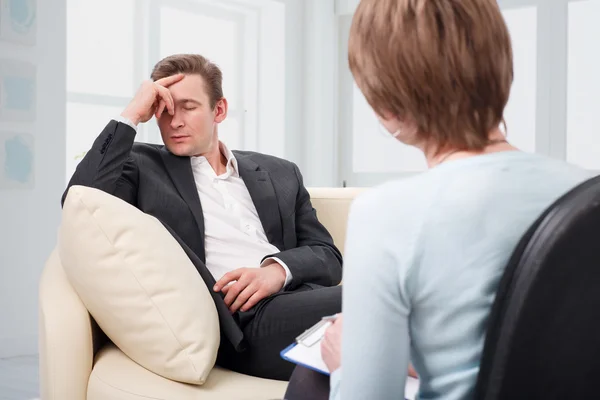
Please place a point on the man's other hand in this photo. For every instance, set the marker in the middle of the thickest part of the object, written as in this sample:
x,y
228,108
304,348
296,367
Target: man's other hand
x,y
152,98
250,285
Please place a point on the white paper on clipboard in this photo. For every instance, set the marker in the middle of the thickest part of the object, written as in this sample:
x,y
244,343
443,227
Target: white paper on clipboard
x,y
307,352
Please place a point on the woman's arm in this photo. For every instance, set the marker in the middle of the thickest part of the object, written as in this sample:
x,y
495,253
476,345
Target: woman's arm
x,y
375,340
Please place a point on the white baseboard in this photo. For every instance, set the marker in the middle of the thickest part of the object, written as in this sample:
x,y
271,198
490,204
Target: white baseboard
x,y
18,346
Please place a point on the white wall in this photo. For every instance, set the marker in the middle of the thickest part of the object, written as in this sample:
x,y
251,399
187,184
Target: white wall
x,y
311,89
29,218
346,7
294,81
271,81
311,138
320,93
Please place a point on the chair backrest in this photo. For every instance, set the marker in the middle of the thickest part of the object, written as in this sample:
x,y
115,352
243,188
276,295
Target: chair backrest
x,y
543,338
332,206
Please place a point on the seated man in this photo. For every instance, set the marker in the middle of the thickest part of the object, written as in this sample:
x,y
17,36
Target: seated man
x,y
245,219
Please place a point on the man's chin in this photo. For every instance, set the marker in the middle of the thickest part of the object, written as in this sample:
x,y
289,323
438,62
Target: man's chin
x,y
180,151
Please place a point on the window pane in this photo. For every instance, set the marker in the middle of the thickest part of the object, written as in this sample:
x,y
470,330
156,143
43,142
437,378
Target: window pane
x,y
100,49
149,133
216,38
583,103
375,152
84,124
520,113
374,149
230,133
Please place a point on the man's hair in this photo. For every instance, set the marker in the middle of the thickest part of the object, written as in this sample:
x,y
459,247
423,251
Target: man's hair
x,y
446,64
192,64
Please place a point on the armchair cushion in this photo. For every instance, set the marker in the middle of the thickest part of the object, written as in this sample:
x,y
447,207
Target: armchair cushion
x,y
139,285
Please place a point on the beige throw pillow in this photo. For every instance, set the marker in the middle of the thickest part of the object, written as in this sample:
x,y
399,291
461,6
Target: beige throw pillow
x,y
139,285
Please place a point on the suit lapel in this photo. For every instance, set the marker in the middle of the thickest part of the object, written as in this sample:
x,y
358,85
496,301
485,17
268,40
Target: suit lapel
x,y
180,170
263,196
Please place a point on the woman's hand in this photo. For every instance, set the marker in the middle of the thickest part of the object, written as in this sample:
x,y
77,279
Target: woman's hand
x,y
331,345
411,372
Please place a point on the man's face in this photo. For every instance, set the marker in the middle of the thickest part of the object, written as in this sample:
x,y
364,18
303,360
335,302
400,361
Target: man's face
x,y
192,131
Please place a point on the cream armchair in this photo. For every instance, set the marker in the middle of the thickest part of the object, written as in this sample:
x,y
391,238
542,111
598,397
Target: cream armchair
x,y
75,364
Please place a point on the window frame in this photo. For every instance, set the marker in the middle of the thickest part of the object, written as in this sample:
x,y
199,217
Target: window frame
x,y
551,86
254,17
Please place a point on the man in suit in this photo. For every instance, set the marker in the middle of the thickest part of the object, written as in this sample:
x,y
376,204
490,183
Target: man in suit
x,y
244,219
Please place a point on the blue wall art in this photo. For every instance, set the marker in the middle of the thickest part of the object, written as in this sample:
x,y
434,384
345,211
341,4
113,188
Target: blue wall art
x,y
18,21
17,91
16,161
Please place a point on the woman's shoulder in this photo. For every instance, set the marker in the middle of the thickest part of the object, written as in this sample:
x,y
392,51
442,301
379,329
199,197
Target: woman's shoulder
x,y
401,198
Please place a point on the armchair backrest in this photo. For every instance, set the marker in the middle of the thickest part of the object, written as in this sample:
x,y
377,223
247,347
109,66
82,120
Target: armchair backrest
x,y
333,206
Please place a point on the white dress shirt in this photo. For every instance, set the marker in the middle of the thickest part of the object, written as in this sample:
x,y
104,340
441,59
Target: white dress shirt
x,y
233,234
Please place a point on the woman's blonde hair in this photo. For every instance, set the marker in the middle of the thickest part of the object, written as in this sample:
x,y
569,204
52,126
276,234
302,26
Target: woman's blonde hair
x,y
445,64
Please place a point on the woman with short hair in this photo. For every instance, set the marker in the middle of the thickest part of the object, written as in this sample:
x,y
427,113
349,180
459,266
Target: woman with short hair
x,y
425,254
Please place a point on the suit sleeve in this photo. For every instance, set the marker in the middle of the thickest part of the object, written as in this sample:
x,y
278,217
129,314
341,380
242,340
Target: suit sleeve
x,y
108,165
315,258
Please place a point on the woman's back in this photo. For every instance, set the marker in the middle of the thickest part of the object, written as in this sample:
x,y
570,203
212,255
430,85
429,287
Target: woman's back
x,y
424,256
447,236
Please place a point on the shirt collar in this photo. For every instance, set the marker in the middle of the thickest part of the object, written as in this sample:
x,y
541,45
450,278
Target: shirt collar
x,y
232,164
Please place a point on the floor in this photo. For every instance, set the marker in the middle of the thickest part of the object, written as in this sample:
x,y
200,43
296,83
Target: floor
x,y
19,378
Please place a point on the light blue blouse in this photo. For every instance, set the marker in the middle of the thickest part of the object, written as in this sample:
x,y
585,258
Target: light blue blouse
x,y
424,256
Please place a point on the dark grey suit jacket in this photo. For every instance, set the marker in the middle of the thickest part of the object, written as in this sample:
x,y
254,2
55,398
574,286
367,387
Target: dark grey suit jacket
x,y
162,185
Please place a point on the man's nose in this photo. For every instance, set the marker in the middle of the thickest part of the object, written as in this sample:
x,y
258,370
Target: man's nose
x,y
176,121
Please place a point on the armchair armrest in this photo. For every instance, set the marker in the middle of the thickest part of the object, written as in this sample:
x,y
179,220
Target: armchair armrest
x,y
65,337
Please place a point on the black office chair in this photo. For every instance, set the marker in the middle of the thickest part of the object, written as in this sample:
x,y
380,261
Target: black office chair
x,y
543,339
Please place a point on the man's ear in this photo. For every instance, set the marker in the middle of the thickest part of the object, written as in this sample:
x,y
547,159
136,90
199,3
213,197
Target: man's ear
x,y
221,110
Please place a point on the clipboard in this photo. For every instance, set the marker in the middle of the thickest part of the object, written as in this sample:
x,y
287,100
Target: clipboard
x,y
298,362
306,351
